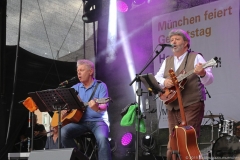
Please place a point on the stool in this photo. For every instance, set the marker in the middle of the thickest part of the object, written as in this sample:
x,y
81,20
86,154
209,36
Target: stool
x,y
87,144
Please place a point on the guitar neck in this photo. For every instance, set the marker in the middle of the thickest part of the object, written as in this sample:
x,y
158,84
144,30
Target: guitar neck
x,y
183,76
99,101
179,97
184,122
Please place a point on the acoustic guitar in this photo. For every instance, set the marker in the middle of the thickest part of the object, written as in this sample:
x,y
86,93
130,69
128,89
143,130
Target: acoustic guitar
x,y
184,135
74,115
169,95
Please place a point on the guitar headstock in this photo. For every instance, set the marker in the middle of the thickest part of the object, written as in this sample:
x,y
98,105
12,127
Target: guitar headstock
x,y
103,100
214,62
173,77
218,60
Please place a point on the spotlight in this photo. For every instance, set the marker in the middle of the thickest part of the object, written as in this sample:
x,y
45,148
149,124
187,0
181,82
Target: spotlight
x,y
147,144
92,10
127,139
127,142
124,5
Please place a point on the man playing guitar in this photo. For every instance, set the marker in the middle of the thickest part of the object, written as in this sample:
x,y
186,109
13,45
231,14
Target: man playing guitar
x,y
193,93
95,116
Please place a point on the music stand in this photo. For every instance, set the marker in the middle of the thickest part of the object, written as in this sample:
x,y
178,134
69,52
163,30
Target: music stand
x,y
139,94
57,100
151,83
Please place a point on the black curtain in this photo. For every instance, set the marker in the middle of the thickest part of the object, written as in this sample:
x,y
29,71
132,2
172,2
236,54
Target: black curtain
x,y
34,73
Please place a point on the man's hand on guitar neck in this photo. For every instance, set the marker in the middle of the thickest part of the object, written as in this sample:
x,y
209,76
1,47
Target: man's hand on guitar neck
x,y
199,70
96,106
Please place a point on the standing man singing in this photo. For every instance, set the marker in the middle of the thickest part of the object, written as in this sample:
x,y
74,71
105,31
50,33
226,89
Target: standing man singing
x,y
95,117
193,94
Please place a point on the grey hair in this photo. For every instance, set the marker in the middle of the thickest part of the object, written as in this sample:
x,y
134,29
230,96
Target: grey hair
x,y
182,33
86,62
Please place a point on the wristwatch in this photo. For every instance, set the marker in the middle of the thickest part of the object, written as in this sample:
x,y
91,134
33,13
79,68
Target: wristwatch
x,y
204,75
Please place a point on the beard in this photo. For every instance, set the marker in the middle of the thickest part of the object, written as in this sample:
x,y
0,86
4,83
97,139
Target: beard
x,y
178,48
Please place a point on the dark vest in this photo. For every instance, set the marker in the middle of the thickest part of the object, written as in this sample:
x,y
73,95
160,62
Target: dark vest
x,y
193,91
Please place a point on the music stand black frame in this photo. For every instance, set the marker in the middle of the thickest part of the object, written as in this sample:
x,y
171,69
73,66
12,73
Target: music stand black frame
x,y
139,94
57,100
150,83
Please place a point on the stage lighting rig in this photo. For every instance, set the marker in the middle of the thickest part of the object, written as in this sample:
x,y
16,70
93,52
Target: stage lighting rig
x,y
92,10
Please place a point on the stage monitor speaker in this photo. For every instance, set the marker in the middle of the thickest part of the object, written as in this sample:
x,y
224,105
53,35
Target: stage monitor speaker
x,y
57,154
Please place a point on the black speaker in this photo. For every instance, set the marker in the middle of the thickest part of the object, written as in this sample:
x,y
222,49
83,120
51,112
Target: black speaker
x,y
57,154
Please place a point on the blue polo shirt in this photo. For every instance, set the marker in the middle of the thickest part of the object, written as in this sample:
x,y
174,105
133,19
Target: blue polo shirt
x,y
85,94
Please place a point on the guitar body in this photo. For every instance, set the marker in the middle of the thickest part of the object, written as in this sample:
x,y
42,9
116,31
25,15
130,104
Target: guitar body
x,y
187,143
170,94
74,116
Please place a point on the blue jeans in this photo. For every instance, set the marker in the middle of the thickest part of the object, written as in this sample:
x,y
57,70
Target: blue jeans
x,y
100,131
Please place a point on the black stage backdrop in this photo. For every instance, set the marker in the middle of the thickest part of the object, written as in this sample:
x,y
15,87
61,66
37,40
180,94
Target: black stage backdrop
x,y
34,73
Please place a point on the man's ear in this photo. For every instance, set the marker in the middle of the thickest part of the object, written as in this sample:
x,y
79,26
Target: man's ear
x,y
185,43
91,72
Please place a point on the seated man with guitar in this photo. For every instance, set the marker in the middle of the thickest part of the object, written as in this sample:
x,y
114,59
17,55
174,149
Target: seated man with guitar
x,y
192,91
94,116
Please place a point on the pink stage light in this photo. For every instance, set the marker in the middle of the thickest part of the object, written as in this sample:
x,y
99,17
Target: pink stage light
x,y
122,6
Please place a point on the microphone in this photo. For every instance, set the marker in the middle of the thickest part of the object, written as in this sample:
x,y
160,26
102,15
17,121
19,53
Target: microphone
x,y
166,45
73,79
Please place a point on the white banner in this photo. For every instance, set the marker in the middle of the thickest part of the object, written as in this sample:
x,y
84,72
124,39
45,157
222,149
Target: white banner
x,y
214,32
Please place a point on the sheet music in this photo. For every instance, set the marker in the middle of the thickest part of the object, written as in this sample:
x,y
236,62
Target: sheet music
x,y
150,81
49,100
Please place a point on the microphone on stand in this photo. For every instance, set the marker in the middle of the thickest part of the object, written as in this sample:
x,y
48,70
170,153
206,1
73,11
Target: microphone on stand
x,y
166,45
73,79
163,46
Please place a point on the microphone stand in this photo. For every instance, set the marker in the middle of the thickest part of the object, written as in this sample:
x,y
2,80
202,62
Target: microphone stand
x,y
207,93
139,94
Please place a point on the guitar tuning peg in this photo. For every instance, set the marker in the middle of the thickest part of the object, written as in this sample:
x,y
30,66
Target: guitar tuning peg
x,y
219,60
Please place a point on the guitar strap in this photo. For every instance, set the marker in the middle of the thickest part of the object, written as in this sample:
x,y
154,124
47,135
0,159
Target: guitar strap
x,y
189,50
95,88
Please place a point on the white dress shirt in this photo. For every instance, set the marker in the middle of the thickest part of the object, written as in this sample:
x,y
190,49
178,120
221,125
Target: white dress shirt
x,y
206,80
